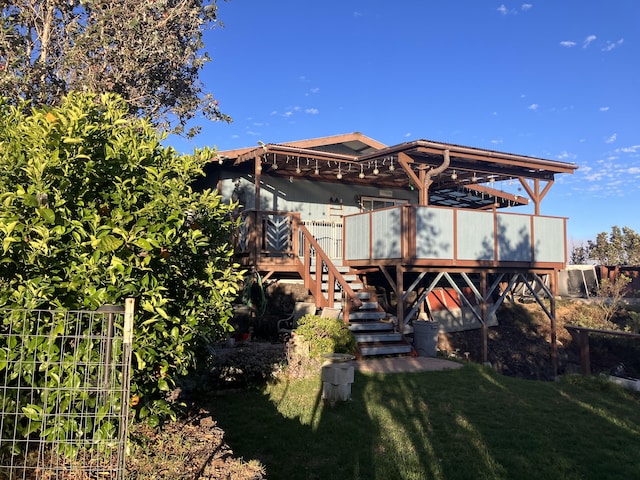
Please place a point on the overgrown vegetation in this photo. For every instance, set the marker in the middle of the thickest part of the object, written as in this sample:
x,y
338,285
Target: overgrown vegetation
x,y
325,335
608,304
315,337
94,210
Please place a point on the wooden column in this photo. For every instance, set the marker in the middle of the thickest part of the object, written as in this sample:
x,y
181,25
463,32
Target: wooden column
x,y
400,295
483,314
553,287
256,185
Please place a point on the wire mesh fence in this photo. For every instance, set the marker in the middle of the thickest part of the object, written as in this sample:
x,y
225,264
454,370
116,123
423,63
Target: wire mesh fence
x,y
64,380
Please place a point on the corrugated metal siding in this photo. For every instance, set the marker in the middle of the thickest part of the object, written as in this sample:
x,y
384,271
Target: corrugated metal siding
x,y
434,233
549,239
387,233
514,238
475,235
357,244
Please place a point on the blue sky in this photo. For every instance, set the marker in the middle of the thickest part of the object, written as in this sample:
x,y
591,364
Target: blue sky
x,y
550,79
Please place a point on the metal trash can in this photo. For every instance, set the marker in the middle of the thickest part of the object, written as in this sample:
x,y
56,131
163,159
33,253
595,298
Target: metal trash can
x,y
425,337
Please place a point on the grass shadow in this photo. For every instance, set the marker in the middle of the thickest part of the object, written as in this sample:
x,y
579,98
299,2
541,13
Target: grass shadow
x,y
468,423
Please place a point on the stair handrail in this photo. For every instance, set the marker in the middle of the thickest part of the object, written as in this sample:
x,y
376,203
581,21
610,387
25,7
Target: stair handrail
x,y
334,274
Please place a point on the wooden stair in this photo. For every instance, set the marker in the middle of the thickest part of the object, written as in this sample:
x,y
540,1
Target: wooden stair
x,y
374,332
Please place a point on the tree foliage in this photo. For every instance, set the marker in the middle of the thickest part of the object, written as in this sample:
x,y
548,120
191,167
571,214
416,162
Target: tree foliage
x,y
579,255
149,52
620,247
93,210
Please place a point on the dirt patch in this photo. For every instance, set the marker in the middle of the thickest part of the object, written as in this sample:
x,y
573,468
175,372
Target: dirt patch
x,y
190,448
520,346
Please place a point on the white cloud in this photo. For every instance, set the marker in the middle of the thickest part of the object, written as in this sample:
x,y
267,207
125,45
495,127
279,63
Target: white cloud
x,y
312,111
611,138
513,11
287,113
564,155
533,106
611,45
604,109
568,43
588,40
315,90
496,142
631,149
357,14
407,135
633,170
595,177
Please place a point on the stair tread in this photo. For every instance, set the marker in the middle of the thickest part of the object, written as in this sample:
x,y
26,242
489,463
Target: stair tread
x,y
366,314
373,337
390,349
349,277
354,286
362,295
370,326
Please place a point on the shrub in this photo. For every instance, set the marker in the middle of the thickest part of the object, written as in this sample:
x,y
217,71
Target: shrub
x,y
93,209
610,295
325,335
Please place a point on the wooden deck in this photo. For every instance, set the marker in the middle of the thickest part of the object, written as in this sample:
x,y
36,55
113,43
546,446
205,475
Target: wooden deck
x,y
413,236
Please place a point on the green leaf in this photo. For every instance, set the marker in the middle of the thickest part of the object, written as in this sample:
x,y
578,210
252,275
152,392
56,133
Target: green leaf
x,y
32,412
109,243
47,214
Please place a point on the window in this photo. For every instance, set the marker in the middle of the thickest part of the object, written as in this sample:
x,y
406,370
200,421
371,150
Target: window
x,y
374,203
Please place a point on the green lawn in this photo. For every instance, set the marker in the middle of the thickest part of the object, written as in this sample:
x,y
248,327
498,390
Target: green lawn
x,y
464,424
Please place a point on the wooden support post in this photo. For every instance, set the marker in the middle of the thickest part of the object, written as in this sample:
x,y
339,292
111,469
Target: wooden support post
x,y
582,338
400,295
553,281
483,313
257,168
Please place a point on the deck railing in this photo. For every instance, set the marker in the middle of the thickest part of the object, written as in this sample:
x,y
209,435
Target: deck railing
x,y
279,240
438,236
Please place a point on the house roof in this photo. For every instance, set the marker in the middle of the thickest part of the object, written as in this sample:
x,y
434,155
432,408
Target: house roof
x,y
466,182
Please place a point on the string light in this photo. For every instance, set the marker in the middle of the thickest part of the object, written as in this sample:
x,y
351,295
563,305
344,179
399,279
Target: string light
x,y
375,169
339,175
275,165
474,179
298,166
361,175
454,176
391,167
317,170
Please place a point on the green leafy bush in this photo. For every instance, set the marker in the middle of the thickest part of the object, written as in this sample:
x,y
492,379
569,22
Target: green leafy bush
x,y
325,335
93,209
